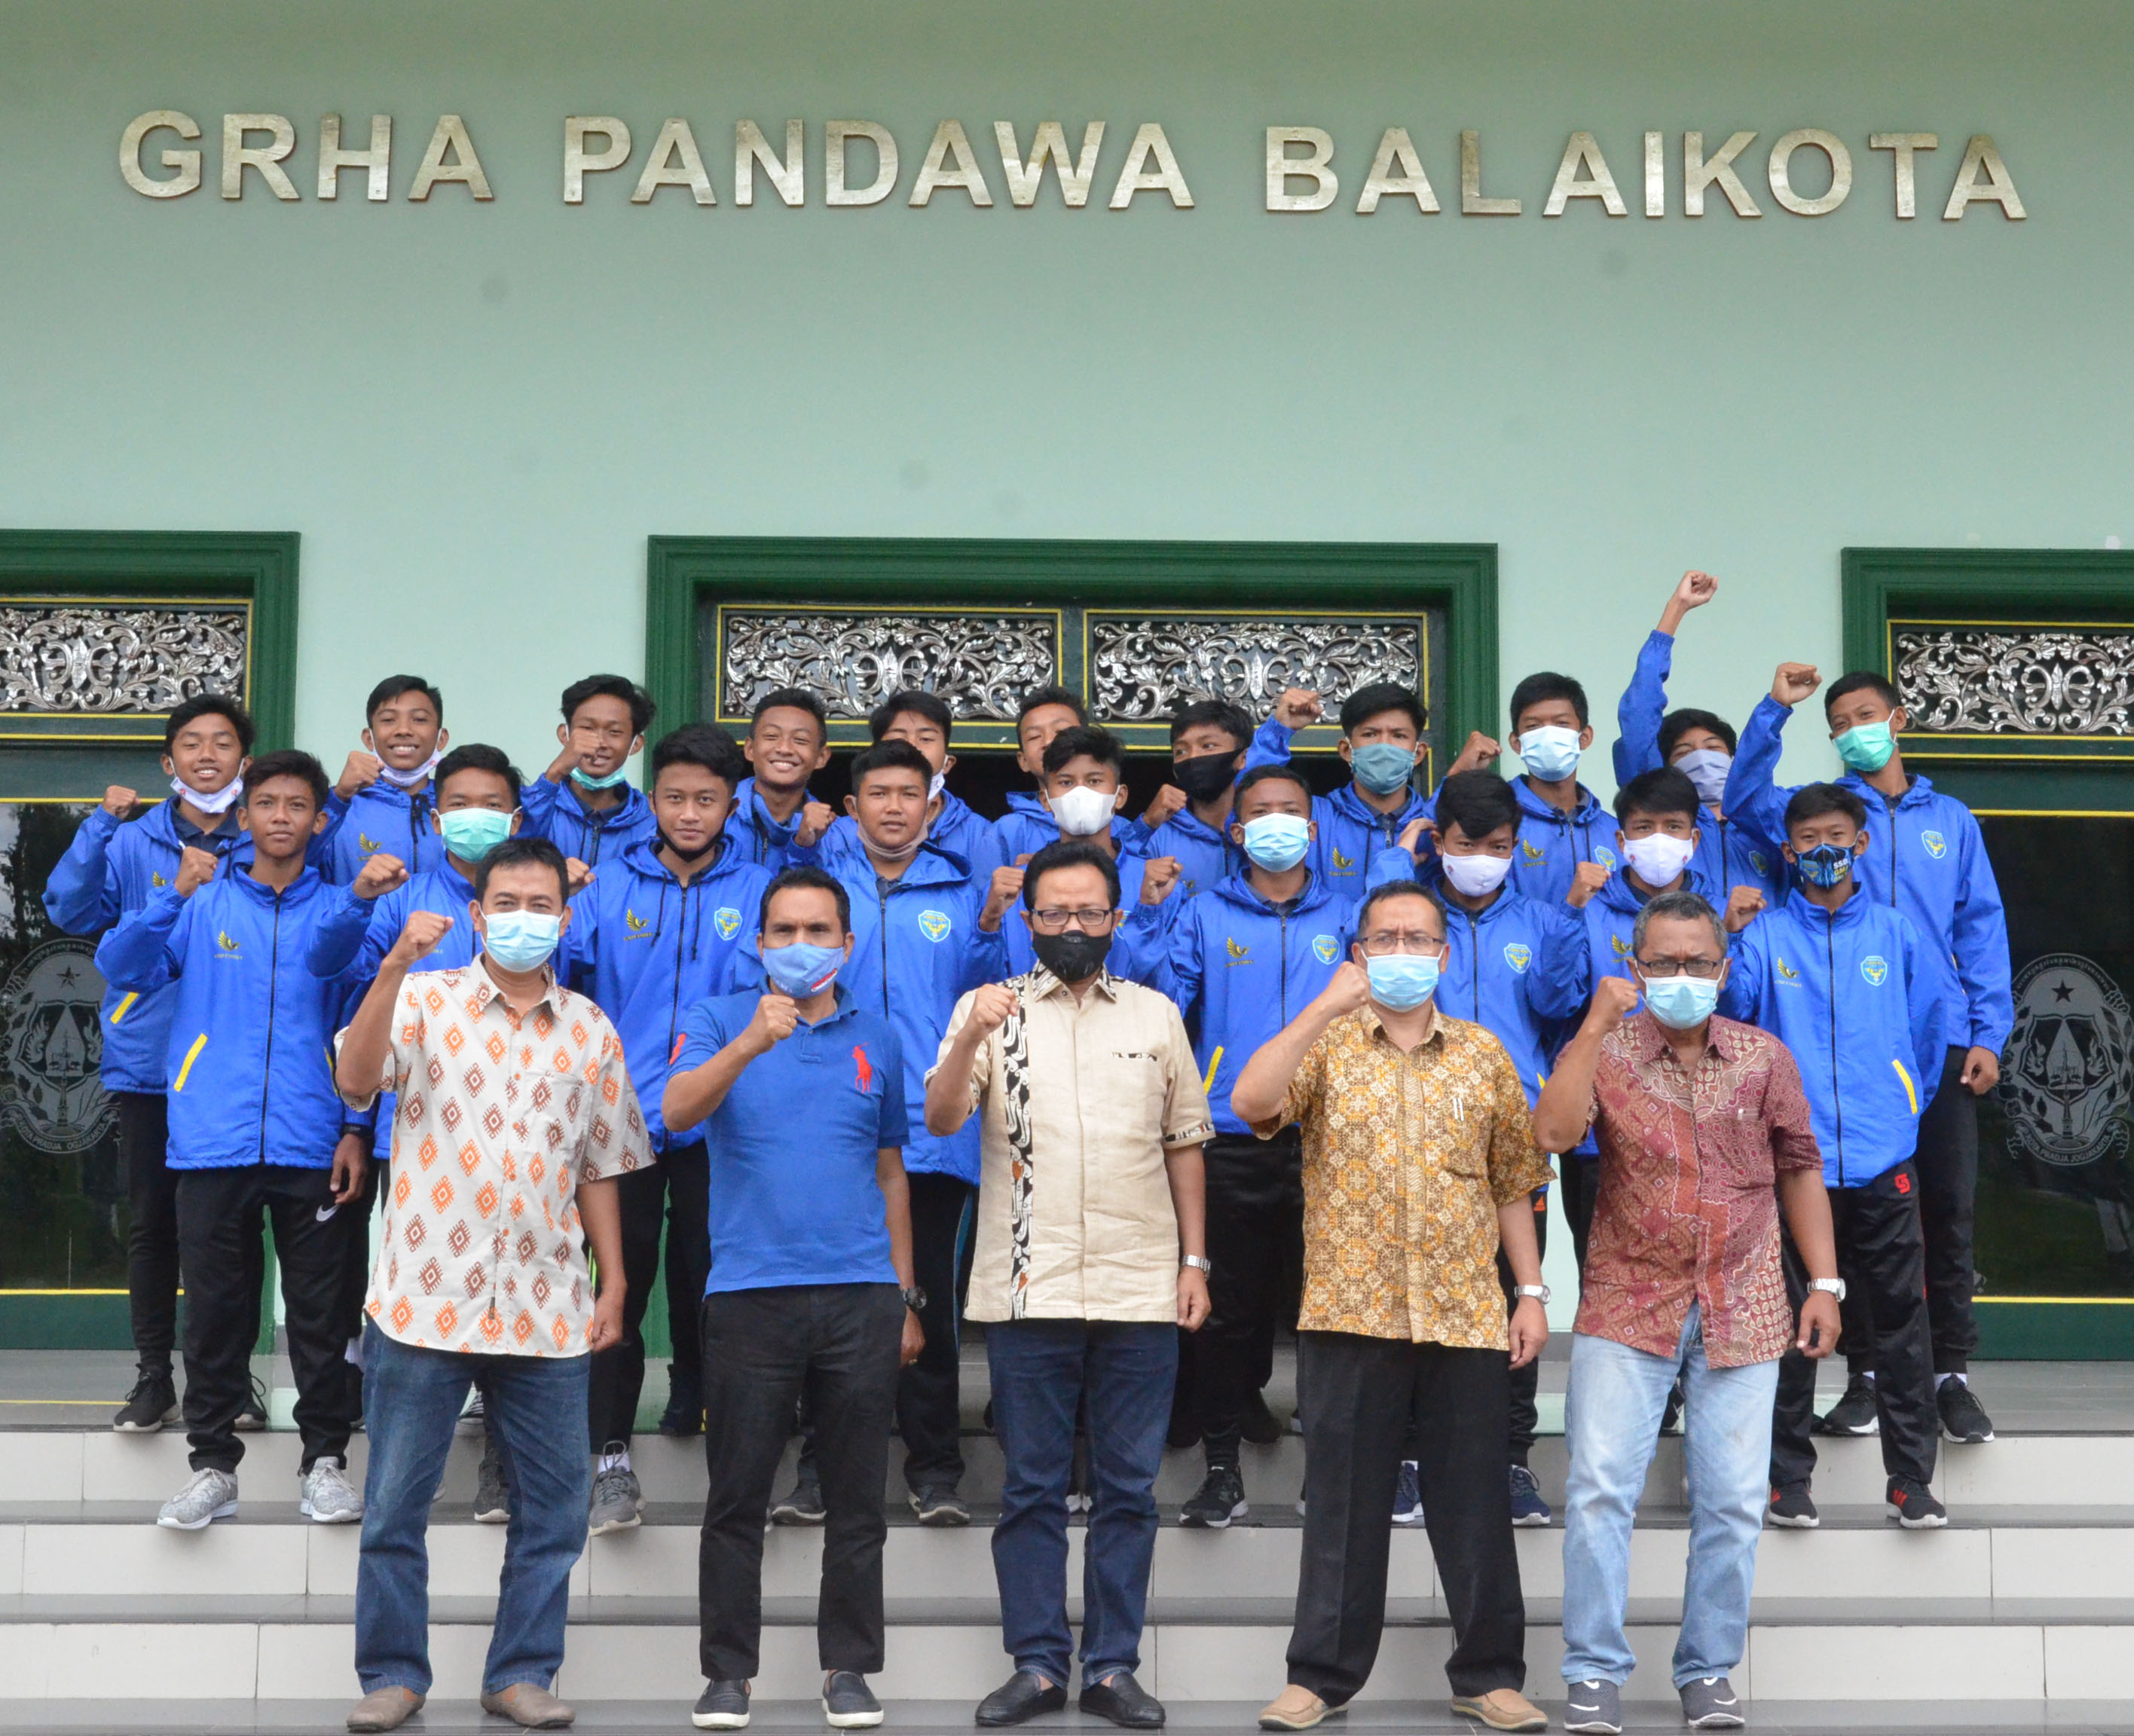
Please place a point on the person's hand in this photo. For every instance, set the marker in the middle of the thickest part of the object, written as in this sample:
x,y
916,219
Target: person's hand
x,y
1158,879
1529,1331
1794,683
576,876
1005,888
775,1015
1981,1071
1479,751
1615,998
359,771
1297,707
1695,590
1588,879
378,876
351,1163
913,1340
1415,832
566,762
1350,988
196,868
1744,906
118,801
423,930
1192,1297
993,1004
606,1327
1168,801
1820,1324
815,820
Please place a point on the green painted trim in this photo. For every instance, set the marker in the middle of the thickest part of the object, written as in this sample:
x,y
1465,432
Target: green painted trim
x,y
260,567
49,1321
1461,577
2074,1331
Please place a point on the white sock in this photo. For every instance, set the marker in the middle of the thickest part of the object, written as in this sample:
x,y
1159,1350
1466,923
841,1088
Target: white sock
x,y
1868,1377
1942,1380
615,1461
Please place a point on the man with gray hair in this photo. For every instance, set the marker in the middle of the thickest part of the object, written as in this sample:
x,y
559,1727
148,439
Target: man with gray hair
x,y
1704,1137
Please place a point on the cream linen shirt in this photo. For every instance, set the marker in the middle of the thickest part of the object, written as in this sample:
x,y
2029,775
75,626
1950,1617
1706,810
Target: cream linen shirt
x,y
1081,1101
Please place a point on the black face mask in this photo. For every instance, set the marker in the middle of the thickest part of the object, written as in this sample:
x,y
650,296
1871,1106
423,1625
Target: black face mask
x,y
686,857
1205,776
1072,957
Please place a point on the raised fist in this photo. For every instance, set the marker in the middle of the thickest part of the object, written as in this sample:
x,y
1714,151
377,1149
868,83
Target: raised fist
x,y
993,1004
1696,590
1349,989
1000,896
380,874
576,876
118,801
1615,998
359,771
1588,879
815,820
196,868
775,1016
1298,706
1794,683
423,930
1480,750
1744,904
1169,799
1158,879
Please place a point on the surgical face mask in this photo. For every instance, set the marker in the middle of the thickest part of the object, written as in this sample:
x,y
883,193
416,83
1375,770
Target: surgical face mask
x,y
1382,767
1551,752
1402,980
1867,747
1659,859
221,801
1681,1003
882,852
1082,812
580,777
520,940
935,785
1072,957
1826,864
470,833
1204,776
802,970
1475,876
409,780
1277,842
1707,768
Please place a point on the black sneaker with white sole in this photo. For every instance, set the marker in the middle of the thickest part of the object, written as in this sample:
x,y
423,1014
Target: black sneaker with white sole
x,y
1912,1505
1220,1499
1710,1703
723,1705
1791,1508
939,1504
1855,1413
1963,1419
802,1504
153,1402
1593,1707
848,1704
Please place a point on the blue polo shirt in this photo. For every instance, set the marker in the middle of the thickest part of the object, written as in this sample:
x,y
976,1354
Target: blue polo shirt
x,y
794,1198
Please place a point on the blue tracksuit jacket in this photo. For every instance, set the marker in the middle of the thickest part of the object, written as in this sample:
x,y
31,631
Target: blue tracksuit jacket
x,y
1611,915
1926,857
961,830
1138,943
553,812
1241,968
382,816
111,869
1352,833
1517,968
763,841
250,1054
1028,826
1552,843
1205,857
1852,993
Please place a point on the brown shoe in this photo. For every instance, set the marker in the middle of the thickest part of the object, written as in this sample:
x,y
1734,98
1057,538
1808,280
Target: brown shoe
x,y
1294,1709
1502,1709
384,1709
528,1707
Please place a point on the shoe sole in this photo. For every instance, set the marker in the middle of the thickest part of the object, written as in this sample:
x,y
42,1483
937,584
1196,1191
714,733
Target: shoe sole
x,y
228,1510
787,1516
1310,1721
1794,1522
1595,1726
494,1515
719,1720
1948,1434
625,1522
1854,1431
1527,1521
1712,1721
161,1423
1409,1521
1209,1522
1539,1721
851,1720
312,1513
1932,1523
942,1518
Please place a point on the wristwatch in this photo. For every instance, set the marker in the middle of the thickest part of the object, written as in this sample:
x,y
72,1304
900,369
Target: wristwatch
x,y
915,1299
1539,1292
1836,1286
1198,1263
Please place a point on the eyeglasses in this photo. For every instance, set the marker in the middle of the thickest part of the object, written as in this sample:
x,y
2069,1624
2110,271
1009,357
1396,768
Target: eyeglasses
x,y
1055,922
1704,969
1383,945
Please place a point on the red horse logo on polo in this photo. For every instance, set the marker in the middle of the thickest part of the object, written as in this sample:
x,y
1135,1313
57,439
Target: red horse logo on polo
x,y
862,1068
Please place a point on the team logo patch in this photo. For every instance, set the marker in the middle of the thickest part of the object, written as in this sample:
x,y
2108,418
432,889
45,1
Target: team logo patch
x,y
1519,955
1605,856
1937,845
637,925
2068,1071
1344,863
1757,862
1787,973
1531,852
1239,952
227,947
934,924
1621,945
727,921
370,844
1875,968
1325,948
158,880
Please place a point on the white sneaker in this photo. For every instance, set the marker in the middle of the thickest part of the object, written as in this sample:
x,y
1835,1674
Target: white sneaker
x,y
211,1495
328,1497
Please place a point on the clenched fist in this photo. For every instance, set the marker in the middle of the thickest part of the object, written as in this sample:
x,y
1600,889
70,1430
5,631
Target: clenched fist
x,y
1794,683
1350,988
423,930
993,1004
1000,896
1158,879
1696,590
1588,879
1744,904
576,876
775,1016
196,868
1298,706
1169,799
815,820
1479,752
379,875
1415,832
118,801
359,771
1615,998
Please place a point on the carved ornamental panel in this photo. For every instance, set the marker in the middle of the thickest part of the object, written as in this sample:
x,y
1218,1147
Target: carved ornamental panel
x,y
2050,681
125,659
1143,667
980,664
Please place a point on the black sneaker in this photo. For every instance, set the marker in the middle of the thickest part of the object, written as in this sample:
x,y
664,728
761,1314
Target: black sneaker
x,y
153,1402
723,1705
803,1504
1793,1508
1854,1414
252,1418
1963,1419
1259,1424
684,1418
941,1505
1220,1499
848,1704
1912,1505
1671,1416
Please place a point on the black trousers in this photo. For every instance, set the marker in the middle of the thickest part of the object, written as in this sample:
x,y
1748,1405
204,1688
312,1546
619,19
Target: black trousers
x,y
1525,1418
1360,1396
151,1231
764,1349
929,1397
1882,1257
673,1191
1256,1244
220,1213
1581,1182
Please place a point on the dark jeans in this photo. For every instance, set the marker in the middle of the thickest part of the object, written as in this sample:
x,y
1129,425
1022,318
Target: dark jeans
x,y
412,1401
220,1215
1256,1244
929,1401
763,1348
151,1231
1042,1371
1360,1396
1882,1257
617,1380
1525,1418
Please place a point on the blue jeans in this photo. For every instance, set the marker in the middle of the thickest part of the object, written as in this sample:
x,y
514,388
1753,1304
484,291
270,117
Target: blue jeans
x,y
537,1410
1041,1372
1612,1424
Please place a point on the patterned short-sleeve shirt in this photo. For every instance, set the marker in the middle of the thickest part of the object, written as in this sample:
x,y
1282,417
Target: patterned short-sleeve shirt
x,y
500,1118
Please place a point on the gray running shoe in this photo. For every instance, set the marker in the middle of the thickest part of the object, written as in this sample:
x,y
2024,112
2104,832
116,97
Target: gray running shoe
x,y
327,1494
1709,1702
1595,1708
211,1495
618,1502
492,1501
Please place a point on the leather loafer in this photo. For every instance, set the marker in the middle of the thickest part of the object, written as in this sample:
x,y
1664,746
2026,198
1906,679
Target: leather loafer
x,y
384,1709
1123,1701
529,1707
1023,1696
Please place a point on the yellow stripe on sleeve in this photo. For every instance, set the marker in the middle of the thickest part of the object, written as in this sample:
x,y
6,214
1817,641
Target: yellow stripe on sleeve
x,y
124,1005
192,1055
1913,1095
1214,1061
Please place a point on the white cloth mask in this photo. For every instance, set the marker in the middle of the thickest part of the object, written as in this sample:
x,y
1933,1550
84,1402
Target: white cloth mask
x,y
1475,876
1082,811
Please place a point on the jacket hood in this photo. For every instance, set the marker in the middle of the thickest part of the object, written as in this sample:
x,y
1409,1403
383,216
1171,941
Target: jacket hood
x,y
1348,805
641,857
1921,792
1237,890
1589,808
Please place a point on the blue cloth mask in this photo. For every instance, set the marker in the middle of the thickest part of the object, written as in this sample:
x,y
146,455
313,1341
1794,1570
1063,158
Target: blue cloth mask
x,y
579,778
1867,747
802,970
470,833
1826,864
520,940
1681,1003
1277,842
1402,980
1550,752
1382,767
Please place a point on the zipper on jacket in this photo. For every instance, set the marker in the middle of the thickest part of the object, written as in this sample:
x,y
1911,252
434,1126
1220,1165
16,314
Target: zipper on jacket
x,y
273,995
882,888
1282,917
1474,959
1830,991
681,931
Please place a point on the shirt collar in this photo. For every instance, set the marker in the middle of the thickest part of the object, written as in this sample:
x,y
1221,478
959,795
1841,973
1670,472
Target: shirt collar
x,y
1043,982
485,989
1652,1041
1374,1028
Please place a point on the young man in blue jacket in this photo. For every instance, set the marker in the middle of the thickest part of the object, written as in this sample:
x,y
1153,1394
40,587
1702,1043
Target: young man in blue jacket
x,y
1192,812
1929,859
110,871
1382,727
1698,744
1245,957
1564,851
1028,826
1659,842
1846,983
255,1129
777,822
924,719
382,800
583,803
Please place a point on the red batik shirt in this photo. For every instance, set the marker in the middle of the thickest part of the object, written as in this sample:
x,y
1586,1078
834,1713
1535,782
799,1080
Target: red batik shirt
x,y
1686,1210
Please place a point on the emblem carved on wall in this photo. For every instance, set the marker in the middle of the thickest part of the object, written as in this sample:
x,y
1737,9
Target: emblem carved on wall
x,y
980,665
117,659
1145,667
2034,680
